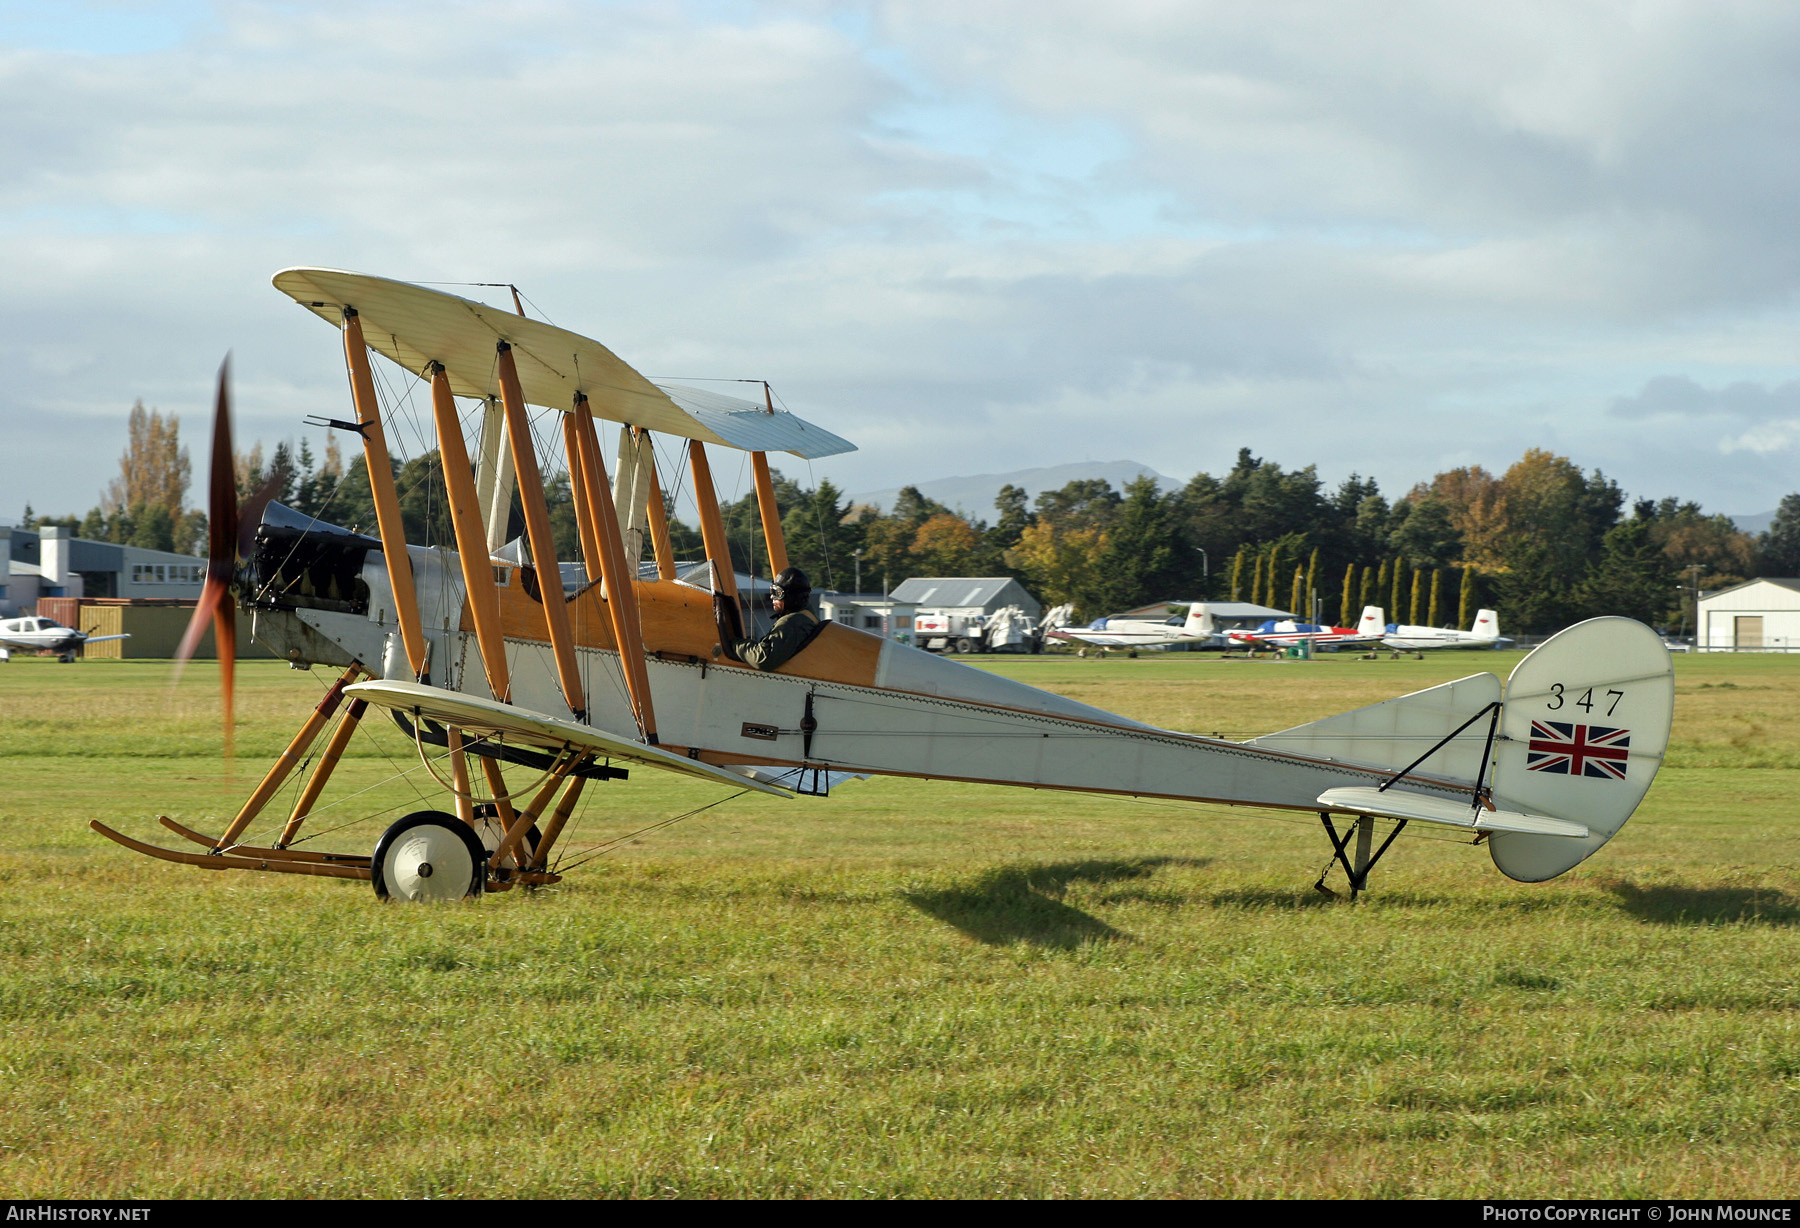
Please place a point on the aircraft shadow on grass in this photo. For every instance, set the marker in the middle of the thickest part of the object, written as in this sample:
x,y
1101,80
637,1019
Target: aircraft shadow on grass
x,y
1671,905
1023,903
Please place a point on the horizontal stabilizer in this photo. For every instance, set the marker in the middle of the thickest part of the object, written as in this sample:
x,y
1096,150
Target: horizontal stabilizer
x,y
1394,733
1447,811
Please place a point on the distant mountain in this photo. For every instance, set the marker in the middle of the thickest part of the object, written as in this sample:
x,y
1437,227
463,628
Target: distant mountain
x,y
1754,524
974,496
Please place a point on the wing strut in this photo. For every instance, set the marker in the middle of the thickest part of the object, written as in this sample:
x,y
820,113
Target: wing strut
x,y
771,513
712,525
537,530
584,510
381,484
471,536
621,585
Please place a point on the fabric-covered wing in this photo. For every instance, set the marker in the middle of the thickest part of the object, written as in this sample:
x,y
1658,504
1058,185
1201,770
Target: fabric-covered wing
x,y
415,326
524,727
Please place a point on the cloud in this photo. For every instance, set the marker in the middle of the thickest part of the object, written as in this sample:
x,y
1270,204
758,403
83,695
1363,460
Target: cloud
x,y
972,238
1679,396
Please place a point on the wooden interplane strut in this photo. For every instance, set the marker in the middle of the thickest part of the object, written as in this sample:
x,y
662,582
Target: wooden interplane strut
x,y
381,484
771,513
537,530
584,508
712,524
471,537
659,526
620,583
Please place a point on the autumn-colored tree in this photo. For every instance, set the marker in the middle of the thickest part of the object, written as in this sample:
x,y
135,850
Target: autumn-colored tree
x,y
154,469
1058,565
943,545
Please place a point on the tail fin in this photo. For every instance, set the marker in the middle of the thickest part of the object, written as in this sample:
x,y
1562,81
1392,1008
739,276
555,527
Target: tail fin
x,y
1374,621
1199,620
1486,625
1583,730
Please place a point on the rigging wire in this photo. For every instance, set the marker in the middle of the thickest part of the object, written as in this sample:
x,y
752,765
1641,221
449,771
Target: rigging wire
x,y
618,842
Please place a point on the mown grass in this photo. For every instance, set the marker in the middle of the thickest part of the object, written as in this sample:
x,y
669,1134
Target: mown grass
x,y
909,988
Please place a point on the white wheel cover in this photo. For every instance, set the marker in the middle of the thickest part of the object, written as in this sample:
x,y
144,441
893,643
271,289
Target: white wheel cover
x,y
434,845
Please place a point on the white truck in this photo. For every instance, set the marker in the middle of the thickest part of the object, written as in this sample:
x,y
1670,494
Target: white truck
x,y
1008,629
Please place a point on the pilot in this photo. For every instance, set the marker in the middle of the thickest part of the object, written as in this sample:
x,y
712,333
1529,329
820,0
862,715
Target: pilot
x,y
795,624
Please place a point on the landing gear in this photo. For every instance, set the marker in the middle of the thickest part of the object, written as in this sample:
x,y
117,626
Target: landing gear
x,y
491,830
1356,871
965,645
428,857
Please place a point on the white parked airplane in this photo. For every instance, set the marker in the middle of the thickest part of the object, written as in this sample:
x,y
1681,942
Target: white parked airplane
x,y
1196,628
39,634
1483,633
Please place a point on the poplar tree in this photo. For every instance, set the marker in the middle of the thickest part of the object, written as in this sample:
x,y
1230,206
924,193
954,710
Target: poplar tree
x,y
1418,586
154,469
1465,614
1437,588
1344,607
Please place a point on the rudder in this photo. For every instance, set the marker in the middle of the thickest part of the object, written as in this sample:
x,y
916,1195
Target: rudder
x,y
1583,731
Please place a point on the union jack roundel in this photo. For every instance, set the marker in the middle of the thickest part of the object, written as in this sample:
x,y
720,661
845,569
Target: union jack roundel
x,y
1578,750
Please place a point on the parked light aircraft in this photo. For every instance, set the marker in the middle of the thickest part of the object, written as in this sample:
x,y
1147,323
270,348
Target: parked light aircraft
x,y
1484,632
1283,632
518,694
1196,627
43,635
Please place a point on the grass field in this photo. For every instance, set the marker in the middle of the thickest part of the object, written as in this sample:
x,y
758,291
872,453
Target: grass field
x,y
910,988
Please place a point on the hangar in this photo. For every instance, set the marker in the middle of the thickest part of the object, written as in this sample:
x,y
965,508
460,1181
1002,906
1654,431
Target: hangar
x,y
1755,616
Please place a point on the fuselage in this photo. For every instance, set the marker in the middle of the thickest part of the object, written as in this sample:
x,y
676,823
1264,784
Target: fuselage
x,y
874,705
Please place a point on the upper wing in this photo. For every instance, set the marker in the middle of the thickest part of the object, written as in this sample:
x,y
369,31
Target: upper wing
x,y
416,326
521,725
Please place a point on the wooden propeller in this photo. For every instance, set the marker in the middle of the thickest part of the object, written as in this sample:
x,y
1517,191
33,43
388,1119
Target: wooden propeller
x,y
231,532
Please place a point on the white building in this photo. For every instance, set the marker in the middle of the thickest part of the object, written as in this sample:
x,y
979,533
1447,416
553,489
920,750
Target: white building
x,y
53,562
1755,616
871,612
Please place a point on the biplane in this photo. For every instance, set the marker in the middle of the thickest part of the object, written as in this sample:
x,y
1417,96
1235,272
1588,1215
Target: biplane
x,y
520,689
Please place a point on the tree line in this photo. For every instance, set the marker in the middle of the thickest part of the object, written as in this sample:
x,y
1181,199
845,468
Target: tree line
x,y
1544,543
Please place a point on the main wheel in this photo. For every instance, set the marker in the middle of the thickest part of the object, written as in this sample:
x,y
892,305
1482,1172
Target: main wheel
x,y
491,830
965,644
428,856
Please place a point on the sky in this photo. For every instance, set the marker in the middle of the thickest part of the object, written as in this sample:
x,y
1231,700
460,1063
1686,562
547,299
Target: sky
x,y
1384,238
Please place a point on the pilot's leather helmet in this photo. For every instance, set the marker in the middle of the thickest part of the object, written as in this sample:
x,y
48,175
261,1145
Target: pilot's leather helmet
x,y
790,587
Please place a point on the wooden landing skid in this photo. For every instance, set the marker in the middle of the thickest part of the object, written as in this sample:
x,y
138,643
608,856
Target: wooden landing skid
x,y
282,861
223,861
265,854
